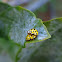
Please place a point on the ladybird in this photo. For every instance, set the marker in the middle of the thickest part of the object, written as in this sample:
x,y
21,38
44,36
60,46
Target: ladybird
x,y
30,37
33,32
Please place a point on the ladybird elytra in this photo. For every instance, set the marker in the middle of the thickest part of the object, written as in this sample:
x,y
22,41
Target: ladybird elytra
x,y
33,32
30,37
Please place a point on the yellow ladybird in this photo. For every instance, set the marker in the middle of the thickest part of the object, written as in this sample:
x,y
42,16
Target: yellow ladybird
x,y
33,32
30,37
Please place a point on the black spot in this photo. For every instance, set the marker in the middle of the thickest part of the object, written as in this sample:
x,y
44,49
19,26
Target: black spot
x,y
31,29
35,38
32,34
34,29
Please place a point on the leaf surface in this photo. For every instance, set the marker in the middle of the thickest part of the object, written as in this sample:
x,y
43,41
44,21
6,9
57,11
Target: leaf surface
x,y
3,7
53,25
17,21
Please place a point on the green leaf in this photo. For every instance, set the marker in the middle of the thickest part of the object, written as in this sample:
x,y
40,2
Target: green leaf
x,y
3,7
8,50
17,21
53,25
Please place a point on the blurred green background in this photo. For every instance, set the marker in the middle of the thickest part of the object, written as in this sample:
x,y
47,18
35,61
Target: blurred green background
x,y
44,9
51,50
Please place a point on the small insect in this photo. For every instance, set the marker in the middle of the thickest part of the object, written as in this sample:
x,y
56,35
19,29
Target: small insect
x,y
30,37
33,32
